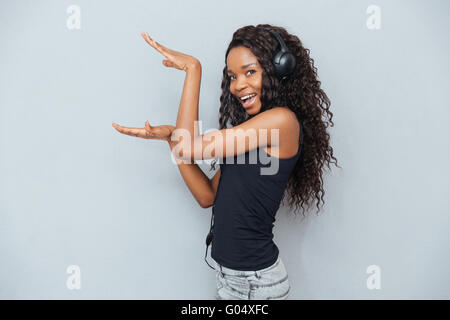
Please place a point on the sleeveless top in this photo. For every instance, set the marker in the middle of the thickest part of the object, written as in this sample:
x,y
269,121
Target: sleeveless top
x,y
245,206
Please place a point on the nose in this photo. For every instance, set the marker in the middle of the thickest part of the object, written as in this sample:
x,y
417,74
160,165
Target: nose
x,y
241,83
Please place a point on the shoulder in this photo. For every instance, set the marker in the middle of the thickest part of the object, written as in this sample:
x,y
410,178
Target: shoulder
x,y
266,128
275,118
284,111
285,117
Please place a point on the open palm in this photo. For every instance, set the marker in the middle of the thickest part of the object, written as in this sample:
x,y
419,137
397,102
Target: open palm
x,y
174,59
162,132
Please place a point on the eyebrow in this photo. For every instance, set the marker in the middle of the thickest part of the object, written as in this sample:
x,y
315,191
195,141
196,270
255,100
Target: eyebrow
x,y
243,67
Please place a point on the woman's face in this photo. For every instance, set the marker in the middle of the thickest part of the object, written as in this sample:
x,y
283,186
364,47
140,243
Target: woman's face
x,y
245,76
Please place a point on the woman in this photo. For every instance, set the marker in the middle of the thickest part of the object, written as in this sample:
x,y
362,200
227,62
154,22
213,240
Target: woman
x,y
258,96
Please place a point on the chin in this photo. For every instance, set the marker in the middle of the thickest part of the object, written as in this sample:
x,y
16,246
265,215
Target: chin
x,y
253,110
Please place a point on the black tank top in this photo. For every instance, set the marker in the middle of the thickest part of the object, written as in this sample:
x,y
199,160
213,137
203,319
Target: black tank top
x,y
245,206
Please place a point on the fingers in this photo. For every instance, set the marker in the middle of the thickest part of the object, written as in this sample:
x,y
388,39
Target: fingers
x,y
168,63
165,51
160,48
164,48
147,38
135,132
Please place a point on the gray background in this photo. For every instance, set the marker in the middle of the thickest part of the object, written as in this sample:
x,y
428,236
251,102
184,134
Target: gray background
x,y
73,191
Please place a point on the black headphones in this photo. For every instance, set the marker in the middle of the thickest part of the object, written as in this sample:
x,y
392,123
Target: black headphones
x,y
283,59
284,63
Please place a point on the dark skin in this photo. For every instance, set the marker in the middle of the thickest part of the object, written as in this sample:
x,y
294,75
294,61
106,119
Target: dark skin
x,y
249,80
242,82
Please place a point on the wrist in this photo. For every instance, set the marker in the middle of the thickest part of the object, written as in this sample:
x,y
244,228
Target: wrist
x,y
194,65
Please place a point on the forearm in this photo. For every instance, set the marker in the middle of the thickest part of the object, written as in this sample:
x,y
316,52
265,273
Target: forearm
x,y
188,109
197,182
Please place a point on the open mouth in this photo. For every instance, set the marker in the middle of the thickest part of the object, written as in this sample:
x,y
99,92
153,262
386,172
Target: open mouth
x,y
248,100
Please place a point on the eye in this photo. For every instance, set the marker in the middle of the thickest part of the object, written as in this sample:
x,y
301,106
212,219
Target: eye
x,y
252,72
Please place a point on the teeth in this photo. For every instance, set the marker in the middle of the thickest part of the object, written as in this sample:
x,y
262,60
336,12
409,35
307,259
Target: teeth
x,y
248,96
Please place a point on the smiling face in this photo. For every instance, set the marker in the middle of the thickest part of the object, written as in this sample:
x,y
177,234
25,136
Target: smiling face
x,y
245,74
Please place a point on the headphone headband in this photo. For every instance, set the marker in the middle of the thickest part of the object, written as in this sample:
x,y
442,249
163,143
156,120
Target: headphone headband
x,y
283,59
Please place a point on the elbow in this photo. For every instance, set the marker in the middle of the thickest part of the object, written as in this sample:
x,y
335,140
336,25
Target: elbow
x,y
205,204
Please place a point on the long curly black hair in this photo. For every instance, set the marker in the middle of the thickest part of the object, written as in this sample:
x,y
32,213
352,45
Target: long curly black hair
x,y
302,94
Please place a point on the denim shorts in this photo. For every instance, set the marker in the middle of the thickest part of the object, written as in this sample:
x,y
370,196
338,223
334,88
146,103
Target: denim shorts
x,y
270,283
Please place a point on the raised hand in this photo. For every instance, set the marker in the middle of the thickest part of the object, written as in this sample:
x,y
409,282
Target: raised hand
x,y
162,132
174,58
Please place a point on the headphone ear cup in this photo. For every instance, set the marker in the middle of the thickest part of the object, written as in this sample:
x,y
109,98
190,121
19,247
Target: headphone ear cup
x,y
284,63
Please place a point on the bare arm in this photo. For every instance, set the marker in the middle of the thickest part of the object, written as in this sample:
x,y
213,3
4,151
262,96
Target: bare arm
x,y
202,188
264,129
